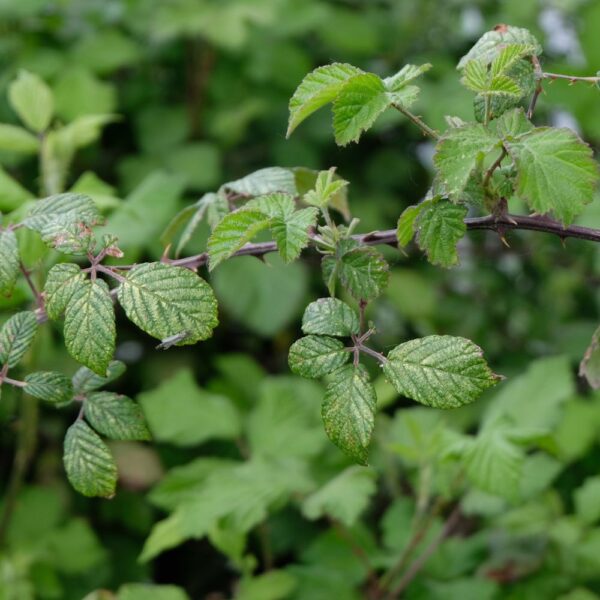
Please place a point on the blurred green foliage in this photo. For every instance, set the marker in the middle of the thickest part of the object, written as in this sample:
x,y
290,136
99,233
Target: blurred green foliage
x,y
241,477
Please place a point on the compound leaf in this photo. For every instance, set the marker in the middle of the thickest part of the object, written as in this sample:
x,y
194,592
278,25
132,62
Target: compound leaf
x,y
315,355
348,411
115,416
88,462
264,181
89,329
441,371
166,301
330,316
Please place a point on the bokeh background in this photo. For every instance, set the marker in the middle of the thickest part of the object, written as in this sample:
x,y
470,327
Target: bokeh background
x,y
201,89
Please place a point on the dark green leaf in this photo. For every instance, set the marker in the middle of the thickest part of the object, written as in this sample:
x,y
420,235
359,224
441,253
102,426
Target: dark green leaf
x,y
349,411
89,329
49,386
439,370
88,462
166,301
86,380
115,416
330,316
314,356
16,337
62,281
9,261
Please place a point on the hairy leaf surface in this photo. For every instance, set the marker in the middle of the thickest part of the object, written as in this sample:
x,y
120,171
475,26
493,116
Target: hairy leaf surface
x,y
314,356
348,411
330,316
88,462
439,370
115,416
49,386
89,329
9,261
165,301
16,337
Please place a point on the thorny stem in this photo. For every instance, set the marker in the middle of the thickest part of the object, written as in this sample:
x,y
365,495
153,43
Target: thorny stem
x,y
432,133
571,78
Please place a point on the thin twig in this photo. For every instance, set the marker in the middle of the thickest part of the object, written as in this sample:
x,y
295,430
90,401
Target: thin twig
x,y
36,294
571,78
539,75
432,133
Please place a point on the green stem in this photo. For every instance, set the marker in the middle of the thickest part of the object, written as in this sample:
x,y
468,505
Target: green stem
x,y
432,133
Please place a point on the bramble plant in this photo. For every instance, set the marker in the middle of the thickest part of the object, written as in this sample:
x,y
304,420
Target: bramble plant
x,y
482,167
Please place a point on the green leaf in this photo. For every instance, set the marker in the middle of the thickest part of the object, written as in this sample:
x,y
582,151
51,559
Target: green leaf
x,y
512,124
330,316
62,281
494,464
587,500
491,44
344,498
16,337
317,89
364,272
406,228
348,411
32,100
358,104
181,413
235,230
590,363
243,494
284,424
166,301
327,187
459,152
115,416
440,226
439,370
288,226
9,261
314,356
89,328
17,139
273,585
264,181
88,462
404,76
556,171
86,380
49,386
146,591
50,216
